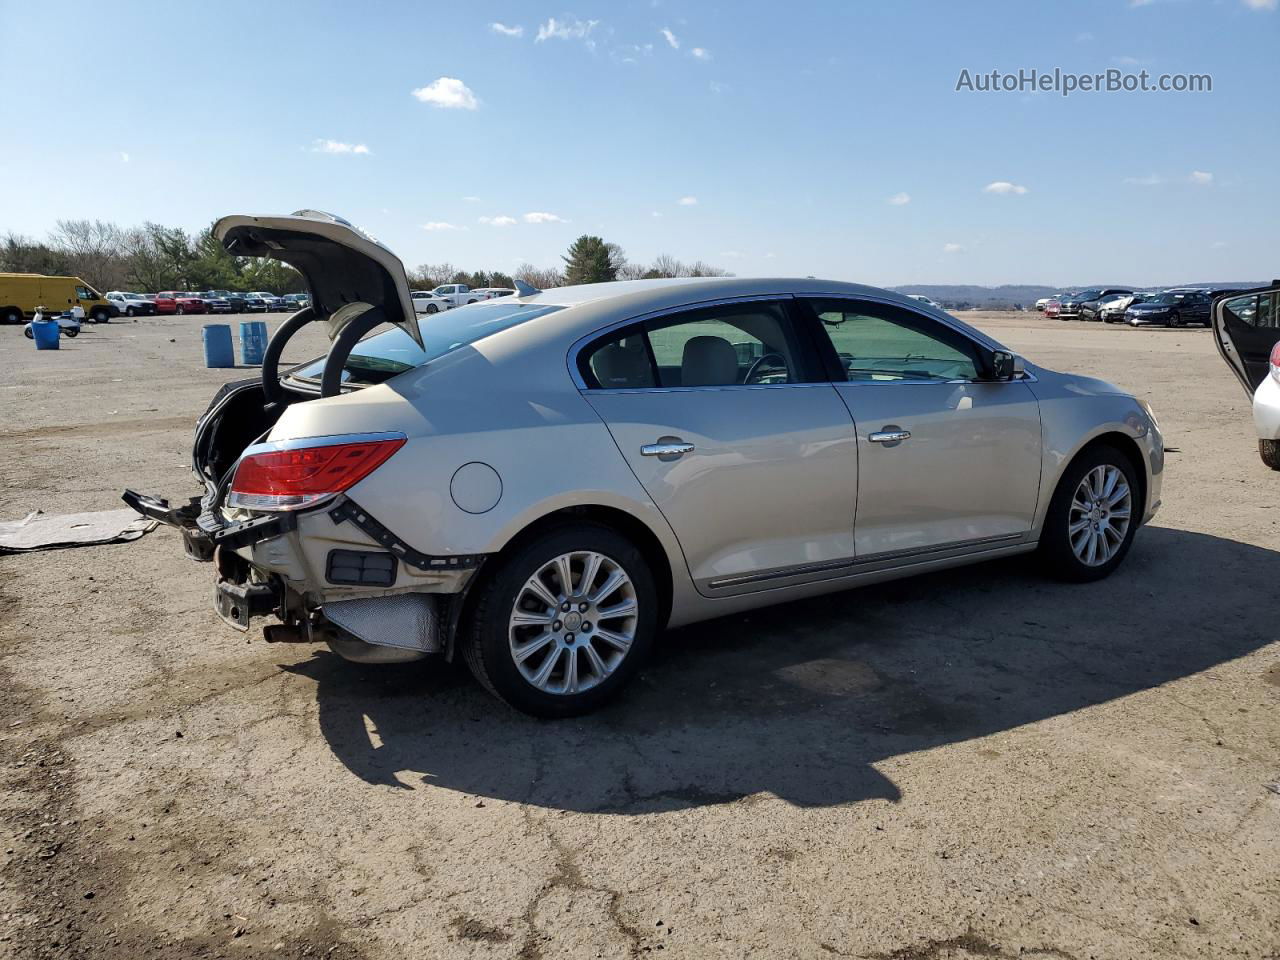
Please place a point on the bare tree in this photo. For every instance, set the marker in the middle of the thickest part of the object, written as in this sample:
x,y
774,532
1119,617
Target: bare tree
x,y
544,278
428,275
94,250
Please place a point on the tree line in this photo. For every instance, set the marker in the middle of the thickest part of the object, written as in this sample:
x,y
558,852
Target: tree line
x,y
154,257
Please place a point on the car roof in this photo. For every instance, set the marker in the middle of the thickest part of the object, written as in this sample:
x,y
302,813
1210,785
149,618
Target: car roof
x,y
596,304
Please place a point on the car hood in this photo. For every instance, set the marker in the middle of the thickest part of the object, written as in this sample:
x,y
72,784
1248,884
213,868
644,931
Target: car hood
x,y
1148,306
341,264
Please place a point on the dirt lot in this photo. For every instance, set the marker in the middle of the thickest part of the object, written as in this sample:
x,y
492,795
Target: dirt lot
x,y
973,764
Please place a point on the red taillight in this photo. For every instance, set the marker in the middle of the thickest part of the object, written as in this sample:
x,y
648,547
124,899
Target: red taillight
x,y
292,479
1275,361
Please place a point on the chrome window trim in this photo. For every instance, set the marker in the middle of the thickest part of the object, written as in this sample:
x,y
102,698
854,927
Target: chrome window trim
x,y
583,342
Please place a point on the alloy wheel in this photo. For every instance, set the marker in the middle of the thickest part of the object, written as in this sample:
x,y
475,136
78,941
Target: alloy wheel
x,y
573,622
1099,518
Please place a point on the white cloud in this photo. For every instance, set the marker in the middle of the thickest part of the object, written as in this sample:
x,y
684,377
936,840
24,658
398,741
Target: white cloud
x,y
1004,187
717,87
337,146
1201,177
654,213
1151,180
471,199
688,201
124,157
952,248
499,221
502,28
1260,4
899,199
541,217
574,29
672,39
1127,61
1085,37
436,225
701,53
1218,244
449,93
770,256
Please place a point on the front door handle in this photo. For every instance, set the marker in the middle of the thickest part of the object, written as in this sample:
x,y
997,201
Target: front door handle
x,y
895,435
667,448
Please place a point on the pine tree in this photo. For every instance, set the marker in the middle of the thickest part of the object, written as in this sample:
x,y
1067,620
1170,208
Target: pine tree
x,y
589,260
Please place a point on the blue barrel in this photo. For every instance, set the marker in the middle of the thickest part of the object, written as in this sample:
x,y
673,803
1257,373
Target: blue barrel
x,y
253,342
45,334
218,351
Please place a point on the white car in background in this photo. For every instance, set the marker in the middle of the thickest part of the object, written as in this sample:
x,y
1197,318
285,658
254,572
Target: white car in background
x,y
457,294
925,300
1246,327
424,301
489,293
131,304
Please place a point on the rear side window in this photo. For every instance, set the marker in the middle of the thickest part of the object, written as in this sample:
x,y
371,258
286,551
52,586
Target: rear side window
x,y
749,344
1255,310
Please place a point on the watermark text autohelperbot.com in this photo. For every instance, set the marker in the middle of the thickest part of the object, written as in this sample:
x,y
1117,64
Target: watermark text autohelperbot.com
x,y
1066,83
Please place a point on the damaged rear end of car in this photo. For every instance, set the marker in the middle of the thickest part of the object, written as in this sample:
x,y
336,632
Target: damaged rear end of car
x,y
277,519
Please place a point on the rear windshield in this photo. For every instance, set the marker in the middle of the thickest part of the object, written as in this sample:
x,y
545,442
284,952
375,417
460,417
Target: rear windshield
x,y
386,354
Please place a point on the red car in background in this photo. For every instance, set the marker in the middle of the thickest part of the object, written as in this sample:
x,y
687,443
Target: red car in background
x,y
182,302
1053,308
164,302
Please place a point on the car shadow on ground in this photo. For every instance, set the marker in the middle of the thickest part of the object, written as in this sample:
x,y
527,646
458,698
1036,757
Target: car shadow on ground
x,y
802,700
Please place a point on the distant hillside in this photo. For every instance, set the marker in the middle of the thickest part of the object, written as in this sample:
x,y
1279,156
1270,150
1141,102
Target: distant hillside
x,y
961,296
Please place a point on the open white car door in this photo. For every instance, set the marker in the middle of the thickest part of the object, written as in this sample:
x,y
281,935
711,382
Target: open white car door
x,y
347,271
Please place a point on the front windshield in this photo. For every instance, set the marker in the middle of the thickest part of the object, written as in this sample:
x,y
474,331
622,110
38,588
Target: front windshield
x,y
1168,298
386,354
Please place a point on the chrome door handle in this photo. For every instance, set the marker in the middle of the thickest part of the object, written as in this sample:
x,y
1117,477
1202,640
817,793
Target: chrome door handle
x,y
667,448
890,436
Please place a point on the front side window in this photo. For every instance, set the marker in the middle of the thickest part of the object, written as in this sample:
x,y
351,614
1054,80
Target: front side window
x,y
83,293
877,342
748,344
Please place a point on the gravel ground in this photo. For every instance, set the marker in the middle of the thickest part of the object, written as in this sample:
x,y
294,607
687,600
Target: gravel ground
x,y
972,764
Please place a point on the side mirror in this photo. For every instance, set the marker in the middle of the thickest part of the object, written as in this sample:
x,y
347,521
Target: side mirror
x,y
1005,365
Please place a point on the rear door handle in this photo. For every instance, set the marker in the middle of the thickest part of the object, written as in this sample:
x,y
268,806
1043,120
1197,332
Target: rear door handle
x,y
667,448
890,436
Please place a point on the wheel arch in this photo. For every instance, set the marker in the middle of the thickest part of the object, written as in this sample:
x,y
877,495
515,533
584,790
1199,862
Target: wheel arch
x,y
1124,444
627,524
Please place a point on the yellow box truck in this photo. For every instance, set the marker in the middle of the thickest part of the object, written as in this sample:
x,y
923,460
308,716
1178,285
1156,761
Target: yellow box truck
x,y
21,293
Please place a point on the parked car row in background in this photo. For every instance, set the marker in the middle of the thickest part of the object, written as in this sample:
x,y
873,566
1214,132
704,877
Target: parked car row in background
x,y
1175,307
450,295
22,293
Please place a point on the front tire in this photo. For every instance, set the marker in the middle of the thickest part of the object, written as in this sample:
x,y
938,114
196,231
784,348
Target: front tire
x,y
1175,320
563,623
1269,451
131,312
178,311
432,308
1092,517
71,333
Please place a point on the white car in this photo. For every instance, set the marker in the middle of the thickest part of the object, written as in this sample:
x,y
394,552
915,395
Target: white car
x,y
424,301
489,293
457,294
1246,327
925,300
131,304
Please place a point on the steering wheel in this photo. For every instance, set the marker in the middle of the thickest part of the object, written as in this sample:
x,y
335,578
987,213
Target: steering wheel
x,y
759,362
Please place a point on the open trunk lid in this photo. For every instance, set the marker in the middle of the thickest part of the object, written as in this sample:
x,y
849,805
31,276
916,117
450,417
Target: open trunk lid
x,y
347,271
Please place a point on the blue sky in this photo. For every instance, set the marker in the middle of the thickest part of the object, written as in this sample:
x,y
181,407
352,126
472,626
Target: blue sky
x,y
767,138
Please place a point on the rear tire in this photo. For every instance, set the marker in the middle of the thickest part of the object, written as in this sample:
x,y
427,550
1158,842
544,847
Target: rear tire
x,y
432,308
178,311
11,315
1269,451
562,646
26,332
71,333
1080,544
101,316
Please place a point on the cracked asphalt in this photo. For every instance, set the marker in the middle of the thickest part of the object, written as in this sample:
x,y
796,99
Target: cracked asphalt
x,y
979,763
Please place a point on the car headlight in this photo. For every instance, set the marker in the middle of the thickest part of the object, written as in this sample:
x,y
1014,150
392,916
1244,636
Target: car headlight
x,y
1151,414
